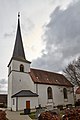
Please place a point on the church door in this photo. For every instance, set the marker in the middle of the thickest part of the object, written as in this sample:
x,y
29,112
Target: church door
x,y
28,104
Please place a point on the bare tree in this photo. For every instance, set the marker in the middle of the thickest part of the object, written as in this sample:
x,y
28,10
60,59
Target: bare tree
x,y
77,64
72,72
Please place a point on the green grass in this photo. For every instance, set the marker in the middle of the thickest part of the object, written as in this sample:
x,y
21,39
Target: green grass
x,y
32,115
61,113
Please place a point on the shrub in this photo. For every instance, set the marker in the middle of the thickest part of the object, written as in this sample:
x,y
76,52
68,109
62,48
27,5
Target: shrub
x,y
48,115
2,115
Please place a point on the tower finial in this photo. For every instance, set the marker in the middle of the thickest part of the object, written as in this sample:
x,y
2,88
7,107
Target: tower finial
x,y
18,14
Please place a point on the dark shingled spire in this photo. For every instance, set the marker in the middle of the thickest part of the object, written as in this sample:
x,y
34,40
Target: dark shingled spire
x,y
18,48
18,53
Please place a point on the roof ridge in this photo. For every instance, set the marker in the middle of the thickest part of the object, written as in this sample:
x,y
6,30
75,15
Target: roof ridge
x,y
45,71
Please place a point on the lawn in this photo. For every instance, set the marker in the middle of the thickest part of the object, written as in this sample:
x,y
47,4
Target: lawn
x,y
32,115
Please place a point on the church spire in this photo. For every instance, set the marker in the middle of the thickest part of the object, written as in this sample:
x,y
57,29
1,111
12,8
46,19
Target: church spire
x,y
18,52
18,48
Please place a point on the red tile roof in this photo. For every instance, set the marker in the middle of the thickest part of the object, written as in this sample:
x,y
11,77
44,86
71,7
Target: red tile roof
x,y
78,90
46,77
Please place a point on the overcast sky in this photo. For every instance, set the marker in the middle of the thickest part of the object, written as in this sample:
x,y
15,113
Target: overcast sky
x,y
50,32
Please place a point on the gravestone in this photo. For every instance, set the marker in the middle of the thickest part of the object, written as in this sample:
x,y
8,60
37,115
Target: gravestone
x,y
39,111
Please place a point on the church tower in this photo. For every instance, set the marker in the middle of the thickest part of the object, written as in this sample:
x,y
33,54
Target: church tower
x,y
18,68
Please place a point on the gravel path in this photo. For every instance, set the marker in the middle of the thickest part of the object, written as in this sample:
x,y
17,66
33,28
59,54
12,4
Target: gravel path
x,y
16,116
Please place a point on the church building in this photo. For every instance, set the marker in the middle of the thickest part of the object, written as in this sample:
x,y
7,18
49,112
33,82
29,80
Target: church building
x,y
29,87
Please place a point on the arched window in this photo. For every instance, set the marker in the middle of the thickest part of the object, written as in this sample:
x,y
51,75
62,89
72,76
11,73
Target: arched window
x,y
21,68
49,92
65,93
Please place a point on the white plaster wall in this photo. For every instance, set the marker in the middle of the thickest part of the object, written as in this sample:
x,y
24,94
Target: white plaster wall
x,y
58,95
77,96
43,98
22,102
9,91
17,80
42,92
13,106
70,96
58,98
16,65
21,81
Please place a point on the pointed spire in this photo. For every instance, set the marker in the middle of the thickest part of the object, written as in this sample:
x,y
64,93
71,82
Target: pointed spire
x,y
18,53
18,48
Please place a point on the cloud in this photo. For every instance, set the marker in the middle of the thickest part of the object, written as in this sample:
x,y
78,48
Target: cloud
x,y
62,3
3,81
27,25
62,38
8,35
3,85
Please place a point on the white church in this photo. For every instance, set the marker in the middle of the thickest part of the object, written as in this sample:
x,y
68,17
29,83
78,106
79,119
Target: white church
x,y
29,87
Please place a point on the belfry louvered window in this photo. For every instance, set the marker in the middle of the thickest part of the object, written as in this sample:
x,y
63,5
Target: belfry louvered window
x,y
49,92
21,68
